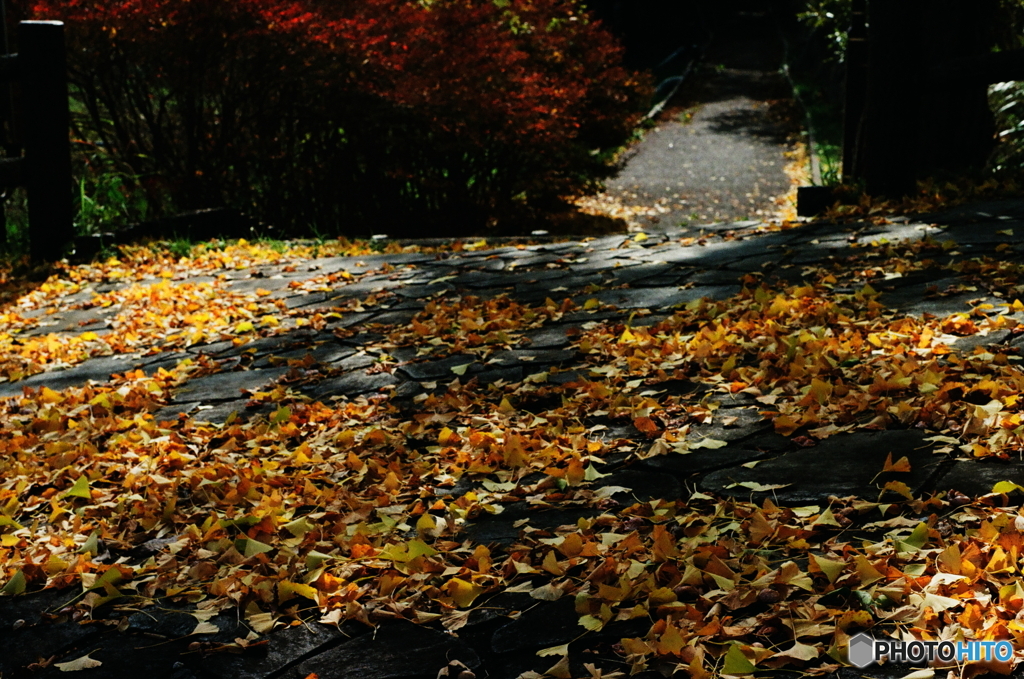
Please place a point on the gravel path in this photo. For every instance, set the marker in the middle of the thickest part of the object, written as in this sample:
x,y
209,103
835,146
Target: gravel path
x,y
719,149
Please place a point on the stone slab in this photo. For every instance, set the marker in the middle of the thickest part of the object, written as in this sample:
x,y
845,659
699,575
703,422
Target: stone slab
x,y
441,369
641,485
327,354
730,424
713,277
72,320
220,413
551,623
422,291
399,650
553,337
352,362
527,357
913,303
28,633
356,382
284,648
398,317
544,625
246,285
481,279
509,375
226,386
537,260
968,344
501,528
845,464
976,477
657,298
704,460
558,288
607,242
132,655
95,369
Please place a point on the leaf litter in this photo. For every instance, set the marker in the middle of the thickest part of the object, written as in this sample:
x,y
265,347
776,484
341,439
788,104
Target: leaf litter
x,y
356,508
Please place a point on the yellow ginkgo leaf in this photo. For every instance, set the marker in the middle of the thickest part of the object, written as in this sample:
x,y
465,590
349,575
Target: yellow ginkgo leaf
x,y
80,489
462,592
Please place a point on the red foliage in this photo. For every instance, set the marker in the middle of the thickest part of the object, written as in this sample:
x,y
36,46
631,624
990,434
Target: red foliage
x,y
449,107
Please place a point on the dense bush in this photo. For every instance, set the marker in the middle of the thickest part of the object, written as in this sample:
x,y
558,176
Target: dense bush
x,y
393,115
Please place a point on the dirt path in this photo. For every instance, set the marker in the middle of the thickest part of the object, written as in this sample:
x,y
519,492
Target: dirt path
x,y
719,150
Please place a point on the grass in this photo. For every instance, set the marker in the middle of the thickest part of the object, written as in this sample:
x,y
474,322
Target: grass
x,y
825,121
103,202
180,247
109,200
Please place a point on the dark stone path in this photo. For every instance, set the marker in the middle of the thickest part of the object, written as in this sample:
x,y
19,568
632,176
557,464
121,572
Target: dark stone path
x,y
501,639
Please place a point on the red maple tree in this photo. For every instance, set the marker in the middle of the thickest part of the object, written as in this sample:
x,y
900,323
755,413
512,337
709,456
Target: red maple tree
x,y
342,115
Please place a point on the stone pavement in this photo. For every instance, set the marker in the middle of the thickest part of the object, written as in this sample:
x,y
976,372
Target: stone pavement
x,y
665,270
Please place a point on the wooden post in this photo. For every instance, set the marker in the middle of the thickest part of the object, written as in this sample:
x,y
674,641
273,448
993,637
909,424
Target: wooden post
x,y
44,87
6,120
886,150
856,85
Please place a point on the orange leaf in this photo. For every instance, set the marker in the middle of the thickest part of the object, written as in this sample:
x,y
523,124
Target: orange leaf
x,y
900,488
786,425
664,546
901,465
646,425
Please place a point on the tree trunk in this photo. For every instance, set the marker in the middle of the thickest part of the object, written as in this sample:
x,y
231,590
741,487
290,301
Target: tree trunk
x,y
926,112
855,85
886,151
956,131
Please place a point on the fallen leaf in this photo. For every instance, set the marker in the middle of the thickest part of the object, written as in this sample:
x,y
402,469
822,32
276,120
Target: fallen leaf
x,y
736,664
560,670
554,650
712,444
463,593
205,628
919,674
759,487
80,489
799,651
83,663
